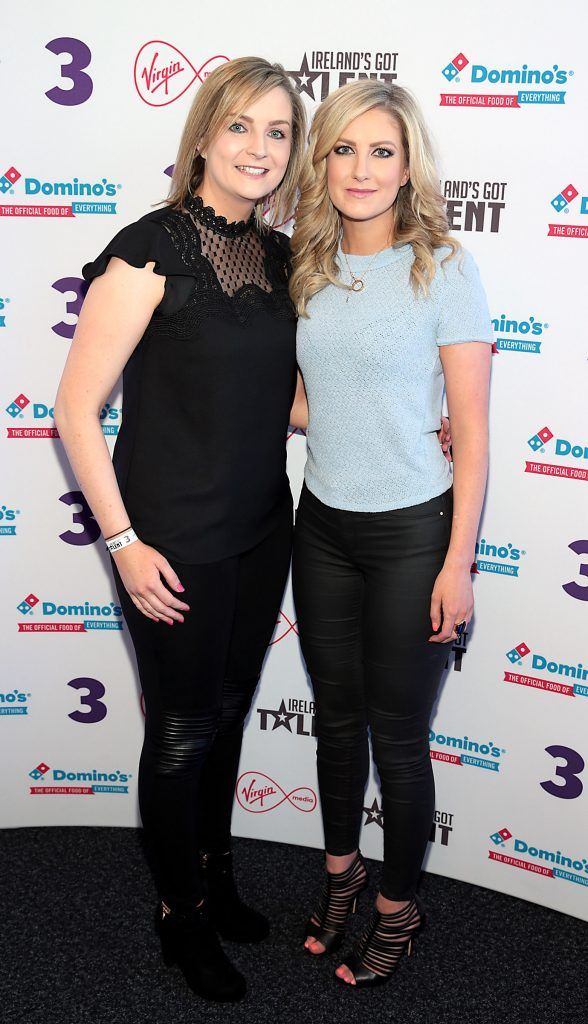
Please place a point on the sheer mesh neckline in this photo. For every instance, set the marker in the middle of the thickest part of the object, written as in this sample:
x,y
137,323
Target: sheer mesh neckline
x,y
206,216
238,270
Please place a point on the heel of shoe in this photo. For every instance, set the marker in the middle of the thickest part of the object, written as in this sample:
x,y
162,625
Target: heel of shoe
x,y
358,896
189,941
168,951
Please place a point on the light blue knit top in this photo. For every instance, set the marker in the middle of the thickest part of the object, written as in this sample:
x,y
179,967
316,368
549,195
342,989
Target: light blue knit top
x,y
373,376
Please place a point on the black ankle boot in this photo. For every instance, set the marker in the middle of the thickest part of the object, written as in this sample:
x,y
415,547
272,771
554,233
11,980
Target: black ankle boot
x,y
232,918
189,940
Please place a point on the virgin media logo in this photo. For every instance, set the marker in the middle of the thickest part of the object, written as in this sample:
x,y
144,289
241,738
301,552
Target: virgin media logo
x,y
258,793
284,626
163,73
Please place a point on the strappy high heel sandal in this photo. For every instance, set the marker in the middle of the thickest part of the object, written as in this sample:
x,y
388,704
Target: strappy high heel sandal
x,y
338,899
386,938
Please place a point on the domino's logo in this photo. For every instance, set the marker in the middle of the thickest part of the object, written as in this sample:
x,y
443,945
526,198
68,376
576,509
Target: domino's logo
x,y
562,203
26,606
38,772
541,82
16,407
451,71
540,439
8,179
518,653
499,838
564,198
4,301
81,193
563,448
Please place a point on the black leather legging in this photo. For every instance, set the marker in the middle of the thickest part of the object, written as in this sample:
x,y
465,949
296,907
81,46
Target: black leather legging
x,y
362,587
198,680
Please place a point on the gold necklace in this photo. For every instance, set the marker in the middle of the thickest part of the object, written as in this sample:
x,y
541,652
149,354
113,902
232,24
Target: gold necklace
x,y
357,283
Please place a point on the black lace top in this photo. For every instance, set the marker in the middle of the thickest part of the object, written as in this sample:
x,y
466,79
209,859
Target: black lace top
x,y
201,457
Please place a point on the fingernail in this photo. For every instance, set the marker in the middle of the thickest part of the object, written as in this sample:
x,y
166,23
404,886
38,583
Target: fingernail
x,y
181,588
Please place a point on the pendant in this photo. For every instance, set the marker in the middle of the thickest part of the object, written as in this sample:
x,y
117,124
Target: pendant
x,y
357,284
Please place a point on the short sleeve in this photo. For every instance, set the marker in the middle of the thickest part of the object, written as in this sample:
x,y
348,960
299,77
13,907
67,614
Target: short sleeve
x,y
462,303
147,241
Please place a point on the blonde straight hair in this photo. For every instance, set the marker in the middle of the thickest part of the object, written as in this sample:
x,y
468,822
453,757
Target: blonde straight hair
x,y
419,215
226,93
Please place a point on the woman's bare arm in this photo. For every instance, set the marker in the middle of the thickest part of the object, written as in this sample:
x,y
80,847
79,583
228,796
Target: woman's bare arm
x,y
467,375
299,410
115,314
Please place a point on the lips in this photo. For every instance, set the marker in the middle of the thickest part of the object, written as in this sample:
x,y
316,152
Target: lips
x,y
360,193
252,171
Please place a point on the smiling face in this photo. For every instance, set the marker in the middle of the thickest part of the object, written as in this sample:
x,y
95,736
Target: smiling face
x,y
367,167
249,158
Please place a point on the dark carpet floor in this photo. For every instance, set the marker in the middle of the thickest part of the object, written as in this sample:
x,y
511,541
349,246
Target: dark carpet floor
x,y
78,945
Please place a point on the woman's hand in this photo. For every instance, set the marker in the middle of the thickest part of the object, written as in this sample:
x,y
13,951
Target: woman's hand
x,y
452,602
140,567
444,435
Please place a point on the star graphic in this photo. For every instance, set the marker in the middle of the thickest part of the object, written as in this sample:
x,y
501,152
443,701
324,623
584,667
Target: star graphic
x,y
282,717
374,813
304,78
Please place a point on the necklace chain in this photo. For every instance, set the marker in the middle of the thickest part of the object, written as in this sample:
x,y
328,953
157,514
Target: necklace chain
x,y
357,282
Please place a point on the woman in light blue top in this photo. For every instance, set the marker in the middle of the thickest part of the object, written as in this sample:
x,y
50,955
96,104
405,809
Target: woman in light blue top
x,y
391,311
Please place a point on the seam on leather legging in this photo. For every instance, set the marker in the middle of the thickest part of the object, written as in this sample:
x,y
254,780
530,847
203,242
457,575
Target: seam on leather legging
x,y
391,559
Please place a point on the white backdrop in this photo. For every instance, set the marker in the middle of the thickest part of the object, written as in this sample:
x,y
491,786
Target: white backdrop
x,y
504,90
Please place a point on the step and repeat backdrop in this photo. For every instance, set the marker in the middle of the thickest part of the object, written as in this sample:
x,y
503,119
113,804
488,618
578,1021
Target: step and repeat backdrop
x,y
94,106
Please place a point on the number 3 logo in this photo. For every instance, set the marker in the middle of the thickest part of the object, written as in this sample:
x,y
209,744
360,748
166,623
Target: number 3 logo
x,y
569,772
73,306
82,84
97,709
85,518
578,590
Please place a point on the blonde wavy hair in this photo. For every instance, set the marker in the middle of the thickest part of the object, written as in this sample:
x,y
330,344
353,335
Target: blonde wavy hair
x,y
227,92
419,215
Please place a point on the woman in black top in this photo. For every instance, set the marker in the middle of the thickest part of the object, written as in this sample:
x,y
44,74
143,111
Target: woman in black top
x,y
191,303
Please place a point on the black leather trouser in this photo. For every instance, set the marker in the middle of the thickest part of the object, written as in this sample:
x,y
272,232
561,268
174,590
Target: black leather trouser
x,y
362,588
198,680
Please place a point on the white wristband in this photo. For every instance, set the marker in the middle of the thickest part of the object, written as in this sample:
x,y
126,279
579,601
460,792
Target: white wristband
x,y
121,540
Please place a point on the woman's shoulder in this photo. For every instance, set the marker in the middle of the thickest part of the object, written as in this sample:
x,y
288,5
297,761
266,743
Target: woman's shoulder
x,y
453,267
449,258
148,239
